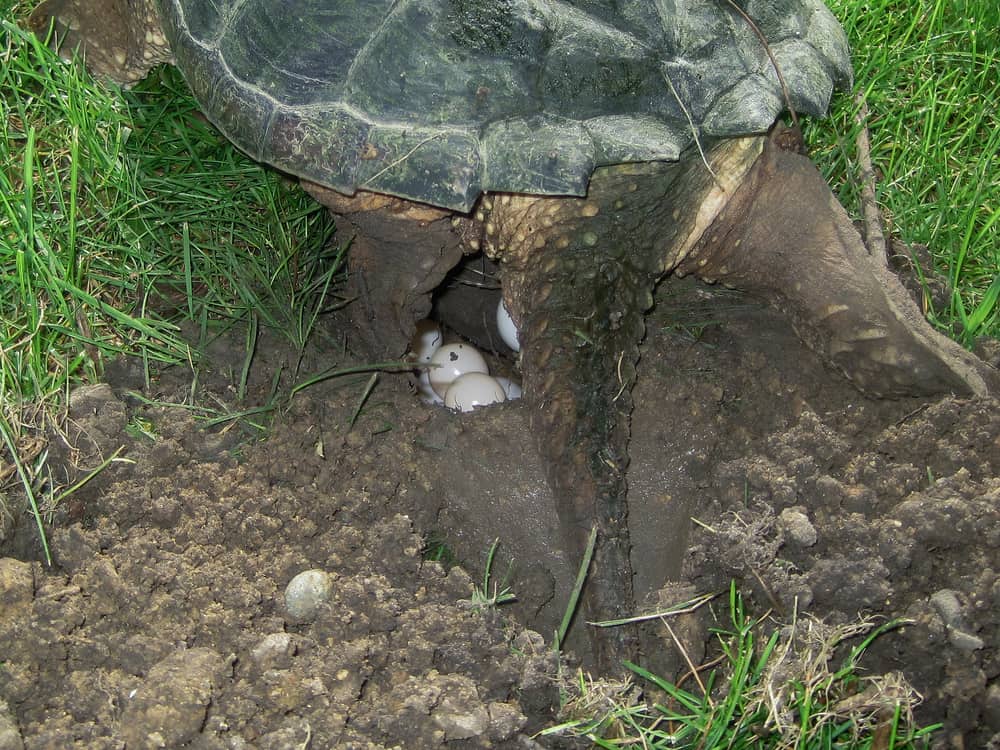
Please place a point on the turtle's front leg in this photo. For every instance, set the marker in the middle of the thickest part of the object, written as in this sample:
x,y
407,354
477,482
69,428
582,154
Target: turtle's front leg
x,y
579,350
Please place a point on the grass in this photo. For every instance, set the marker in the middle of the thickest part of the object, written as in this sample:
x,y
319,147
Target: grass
x,y
777,692
71,257
493,593
930,74
124,218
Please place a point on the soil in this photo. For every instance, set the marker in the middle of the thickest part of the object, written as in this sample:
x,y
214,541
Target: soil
x,y
162,622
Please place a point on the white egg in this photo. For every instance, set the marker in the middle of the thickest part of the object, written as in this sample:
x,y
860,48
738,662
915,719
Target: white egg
x,y
426,340
473,389
427,394
512,389
453,360
508,331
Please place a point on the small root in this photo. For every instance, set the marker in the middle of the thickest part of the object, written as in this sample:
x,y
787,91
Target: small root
x,y
872,217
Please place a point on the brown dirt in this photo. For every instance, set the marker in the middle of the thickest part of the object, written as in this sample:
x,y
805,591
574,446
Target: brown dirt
x,y
162,623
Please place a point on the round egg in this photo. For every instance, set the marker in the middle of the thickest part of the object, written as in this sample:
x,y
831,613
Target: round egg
x,y
473,389
306,594
426,340
452,360
427,394
510,388
508,331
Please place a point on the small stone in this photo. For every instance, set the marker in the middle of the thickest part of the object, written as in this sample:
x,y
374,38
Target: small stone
x,y
274,651
459,720
306,594
505,720
949,609
798,528
964,641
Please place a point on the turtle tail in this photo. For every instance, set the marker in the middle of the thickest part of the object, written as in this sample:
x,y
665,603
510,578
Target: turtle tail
x,y
783,236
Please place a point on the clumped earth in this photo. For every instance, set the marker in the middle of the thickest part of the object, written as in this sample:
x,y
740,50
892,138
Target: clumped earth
x,y
162,622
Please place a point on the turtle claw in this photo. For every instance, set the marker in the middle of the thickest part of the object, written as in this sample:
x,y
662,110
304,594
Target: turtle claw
x,y
784,236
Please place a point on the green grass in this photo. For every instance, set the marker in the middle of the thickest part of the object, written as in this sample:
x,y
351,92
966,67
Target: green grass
x,y
73,266
930,72
778,692
123,218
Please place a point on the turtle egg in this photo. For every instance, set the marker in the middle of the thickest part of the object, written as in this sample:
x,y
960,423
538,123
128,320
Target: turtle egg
x,y
426,340
452,360
510,388
473,389
427,394
508,331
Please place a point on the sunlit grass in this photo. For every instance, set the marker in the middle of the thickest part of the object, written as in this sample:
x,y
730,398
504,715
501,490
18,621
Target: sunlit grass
x,y
930,73
124,216
781,691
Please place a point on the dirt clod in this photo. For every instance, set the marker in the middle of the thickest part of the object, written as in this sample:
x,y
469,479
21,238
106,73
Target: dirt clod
x,y
163,622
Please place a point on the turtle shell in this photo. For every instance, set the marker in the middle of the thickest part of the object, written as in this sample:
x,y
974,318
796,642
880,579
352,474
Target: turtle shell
x,y
439,101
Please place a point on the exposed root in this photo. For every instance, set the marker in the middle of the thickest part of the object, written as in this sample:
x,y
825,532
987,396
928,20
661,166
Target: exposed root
x,y
874,236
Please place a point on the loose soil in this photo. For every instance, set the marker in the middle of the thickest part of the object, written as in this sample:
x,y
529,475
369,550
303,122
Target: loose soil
x,y
162,622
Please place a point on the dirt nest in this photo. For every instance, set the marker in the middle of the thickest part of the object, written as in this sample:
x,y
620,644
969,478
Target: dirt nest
x,y
163,623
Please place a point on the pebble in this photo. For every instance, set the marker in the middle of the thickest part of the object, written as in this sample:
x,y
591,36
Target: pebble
x,y
798,528
306,594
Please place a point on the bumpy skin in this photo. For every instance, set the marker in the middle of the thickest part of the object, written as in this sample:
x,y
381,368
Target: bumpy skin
x,y
439,100
118,39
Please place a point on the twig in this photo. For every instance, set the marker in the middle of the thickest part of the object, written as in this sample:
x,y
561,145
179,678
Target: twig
x,y
874,237
770,56
401,159
691,125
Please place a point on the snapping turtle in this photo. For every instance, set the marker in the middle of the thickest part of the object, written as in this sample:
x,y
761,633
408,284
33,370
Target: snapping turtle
x,y
591,146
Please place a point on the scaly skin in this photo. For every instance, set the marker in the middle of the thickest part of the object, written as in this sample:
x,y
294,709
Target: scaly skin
x,y
581,296
579,275
119,39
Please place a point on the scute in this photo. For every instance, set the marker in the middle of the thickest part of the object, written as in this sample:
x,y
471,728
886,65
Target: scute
x,y
440,100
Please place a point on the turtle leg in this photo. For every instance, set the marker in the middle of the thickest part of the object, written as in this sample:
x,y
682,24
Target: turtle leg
x,y
400,253
580,302
784,236
119,39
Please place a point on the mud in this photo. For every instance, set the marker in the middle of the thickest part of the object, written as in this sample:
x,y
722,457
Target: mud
x,y
162,622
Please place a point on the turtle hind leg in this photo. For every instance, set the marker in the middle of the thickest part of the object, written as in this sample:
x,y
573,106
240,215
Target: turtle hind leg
x,y
118,39
784,236
580,294
579,352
